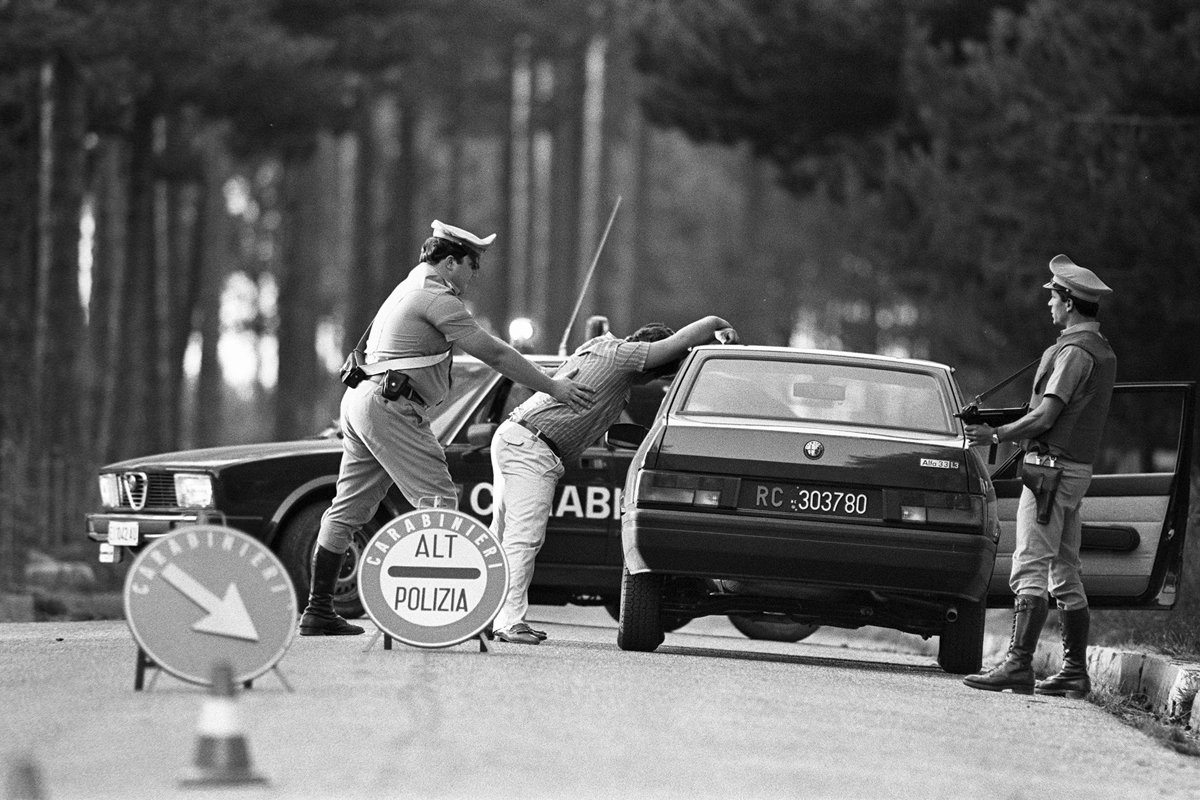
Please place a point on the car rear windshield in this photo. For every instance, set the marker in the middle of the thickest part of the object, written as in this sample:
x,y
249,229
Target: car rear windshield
x,y
843,394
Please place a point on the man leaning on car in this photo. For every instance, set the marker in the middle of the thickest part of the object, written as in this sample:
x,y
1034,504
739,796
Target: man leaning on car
x,y
1068,408
529,449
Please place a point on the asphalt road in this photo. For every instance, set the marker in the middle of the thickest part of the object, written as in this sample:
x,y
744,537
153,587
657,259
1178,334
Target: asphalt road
x,y
710,715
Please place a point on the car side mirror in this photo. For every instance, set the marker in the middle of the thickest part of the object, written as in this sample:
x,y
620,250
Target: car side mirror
x,y
625,436
479,435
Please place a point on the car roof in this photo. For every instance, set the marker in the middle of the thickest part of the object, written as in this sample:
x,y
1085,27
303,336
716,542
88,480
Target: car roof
x,y
749,351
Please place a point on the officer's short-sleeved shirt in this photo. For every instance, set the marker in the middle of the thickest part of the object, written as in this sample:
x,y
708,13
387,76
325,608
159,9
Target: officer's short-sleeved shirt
x,y
422,316
607,364
1067,374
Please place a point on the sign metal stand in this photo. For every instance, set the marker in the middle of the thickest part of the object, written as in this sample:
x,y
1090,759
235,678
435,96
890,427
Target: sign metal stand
x,y
145,664
484,647
207,593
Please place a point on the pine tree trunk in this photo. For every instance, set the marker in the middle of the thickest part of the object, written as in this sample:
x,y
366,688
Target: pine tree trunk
x,y
215,254
139,383
107,324
557,260
298,276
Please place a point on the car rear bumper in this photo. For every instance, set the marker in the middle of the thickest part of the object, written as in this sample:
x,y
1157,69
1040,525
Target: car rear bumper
x,y
828,554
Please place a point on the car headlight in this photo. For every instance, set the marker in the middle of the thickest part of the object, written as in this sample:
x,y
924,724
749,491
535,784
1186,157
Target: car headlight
x,y
193,490
110,491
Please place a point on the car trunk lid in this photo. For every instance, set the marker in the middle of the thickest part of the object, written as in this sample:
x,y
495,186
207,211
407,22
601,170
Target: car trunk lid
x,y
825,455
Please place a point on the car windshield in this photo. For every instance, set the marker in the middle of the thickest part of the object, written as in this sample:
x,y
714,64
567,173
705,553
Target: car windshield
x,y
842,394
468,379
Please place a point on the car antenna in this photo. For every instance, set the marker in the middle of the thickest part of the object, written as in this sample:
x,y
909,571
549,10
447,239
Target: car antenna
x,y
562,346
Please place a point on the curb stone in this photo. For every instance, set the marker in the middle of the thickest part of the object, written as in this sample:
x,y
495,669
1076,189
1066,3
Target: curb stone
x,y
1169,687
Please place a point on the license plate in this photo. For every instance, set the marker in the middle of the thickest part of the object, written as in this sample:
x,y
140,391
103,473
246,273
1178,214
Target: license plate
x,y
120,532
823,501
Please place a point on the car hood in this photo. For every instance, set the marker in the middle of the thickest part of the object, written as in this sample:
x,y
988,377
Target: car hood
x,y
213,458
865,457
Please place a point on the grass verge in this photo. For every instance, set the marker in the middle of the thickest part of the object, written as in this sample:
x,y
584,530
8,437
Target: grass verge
x,y
1134,711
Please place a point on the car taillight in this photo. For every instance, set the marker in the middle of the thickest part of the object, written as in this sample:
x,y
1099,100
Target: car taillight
x,y
941,508
706,491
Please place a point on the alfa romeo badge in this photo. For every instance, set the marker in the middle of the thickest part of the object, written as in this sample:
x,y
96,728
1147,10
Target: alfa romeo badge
x,y
433,577
208,593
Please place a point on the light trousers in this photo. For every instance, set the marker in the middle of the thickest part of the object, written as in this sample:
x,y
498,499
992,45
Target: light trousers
x,y
383,442
524,475
1046,557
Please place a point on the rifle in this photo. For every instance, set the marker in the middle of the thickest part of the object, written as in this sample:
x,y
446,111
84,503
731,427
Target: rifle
x,y
972,414
562,346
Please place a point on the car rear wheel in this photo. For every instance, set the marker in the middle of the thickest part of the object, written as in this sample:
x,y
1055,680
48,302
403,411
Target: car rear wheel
x,y
296,545
960,647
640,624
771,627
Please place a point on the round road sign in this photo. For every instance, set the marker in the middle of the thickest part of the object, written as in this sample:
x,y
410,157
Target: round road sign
x,y
207,593
433,577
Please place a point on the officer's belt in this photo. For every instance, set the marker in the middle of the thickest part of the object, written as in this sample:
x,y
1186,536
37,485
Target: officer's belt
x,y
411,362
536,431
406,391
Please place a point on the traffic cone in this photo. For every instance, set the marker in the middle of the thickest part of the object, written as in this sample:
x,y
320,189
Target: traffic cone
x,y
24,781
222,753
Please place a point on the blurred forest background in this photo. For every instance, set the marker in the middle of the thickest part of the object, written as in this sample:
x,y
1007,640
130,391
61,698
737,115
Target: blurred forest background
x,y
202,202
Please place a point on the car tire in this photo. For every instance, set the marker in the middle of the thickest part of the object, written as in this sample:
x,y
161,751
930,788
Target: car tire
x,y
960,647
296,544
670,622
640,626
772,628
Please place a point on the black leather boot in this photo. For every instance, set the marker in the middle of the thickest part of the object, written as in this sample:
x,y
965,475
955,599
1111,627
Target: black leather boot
x,y
1072,680
1016,671
319,617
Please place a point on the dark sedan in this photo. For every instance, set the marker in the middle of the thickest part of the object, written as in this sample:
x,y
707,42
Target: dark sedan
x,y
277,492
832,488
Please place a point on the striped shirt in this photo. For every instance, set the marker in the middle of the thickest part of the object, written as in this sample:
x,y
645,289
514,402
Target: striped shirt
x,y
607,364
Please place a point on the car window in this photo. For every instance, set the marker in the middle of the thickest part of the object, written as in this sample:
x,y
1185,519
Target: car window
x,y
1141,435
820,392
467,378
644,402
495,407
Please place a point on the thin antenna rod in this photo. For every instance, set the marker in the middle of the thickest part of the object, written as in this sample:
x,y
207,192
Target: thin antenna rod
x,y
562,346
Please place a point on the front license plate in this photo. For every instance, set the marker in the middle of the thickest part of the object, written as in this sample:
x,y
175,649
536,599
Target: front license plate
x,y
823,501
121,532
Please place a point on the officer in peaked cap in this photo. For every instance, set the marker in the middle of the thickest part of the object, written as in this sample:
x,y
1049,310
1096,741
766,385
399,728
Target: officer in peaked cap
x,y
1076,281
465,238
1061,438
386,436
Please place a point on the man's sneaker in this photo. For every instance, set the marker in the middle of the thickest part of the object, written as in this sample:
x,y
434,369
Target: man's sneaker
x,y
517,633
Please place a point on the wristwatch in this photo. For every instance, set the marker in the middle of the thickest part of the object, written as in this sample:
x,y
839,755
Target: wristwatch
x,y
995,437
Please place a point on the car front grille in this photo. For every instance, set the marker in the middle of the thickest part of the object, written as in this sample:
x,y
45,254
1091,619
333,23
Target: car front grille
x,y
159,490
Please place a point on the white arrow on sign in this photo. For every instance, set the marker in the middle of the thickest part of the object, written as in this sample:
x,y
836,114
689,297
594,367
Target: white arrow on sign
x,y
226,616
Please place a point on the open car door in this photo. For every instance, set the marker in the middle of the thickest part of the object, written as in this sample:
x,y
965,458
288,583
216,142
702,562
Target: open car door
x,y
1136,509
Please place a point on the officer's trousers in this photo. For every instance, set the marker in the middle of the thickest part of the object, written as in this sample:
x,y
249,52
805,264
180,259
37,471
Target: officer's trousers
x,y
383,442
1046,557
